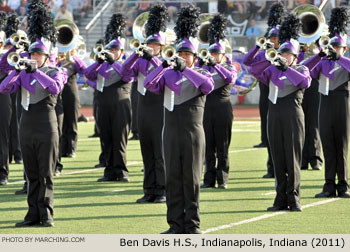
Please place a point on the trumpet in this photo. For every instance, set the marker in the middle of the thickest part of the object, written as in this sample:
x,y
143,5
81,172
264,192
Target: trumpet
x,y
260,41
324,41
15,60
204,55
99,51
19,39
271,54
138,47
169,53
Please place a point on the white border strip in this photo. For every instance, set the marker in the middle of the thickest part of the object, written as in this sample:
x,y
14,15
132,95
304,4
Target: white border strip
x,y
265,216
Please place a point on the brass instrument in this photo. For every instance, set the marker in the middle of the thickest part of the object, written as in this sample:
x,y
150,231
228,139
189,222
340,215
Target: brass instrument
x,y
99,51
169,53
313,22
272,56
19,39
324,41
260,41
67,35
15,60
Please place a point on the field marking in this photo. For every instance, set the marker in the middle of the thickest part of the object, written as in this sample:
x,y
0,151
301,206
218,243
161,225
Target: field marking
x,y
265,216
269,193
82,171
244,150
244,130
115,191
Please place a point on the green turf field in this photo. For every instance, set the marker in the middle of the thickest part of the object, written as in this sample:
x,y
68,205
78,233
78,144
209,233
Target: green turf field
x,y
83,205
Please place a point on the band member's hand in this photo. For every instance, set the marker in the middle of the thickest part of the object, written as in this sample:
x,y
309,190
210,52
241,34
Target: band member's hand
x,y
269,45
99,60
146,54
281,65
25,46
165,64
322,53
333,55
211,61
201,62
109,58
30,68
179,64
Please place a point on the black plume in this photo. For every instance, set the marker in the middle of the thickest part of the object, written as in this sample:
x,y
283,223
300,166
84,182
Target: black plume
x,y
157,19
290,28
3,18
187,22
115,28
217,28
11,25
276,14
338,21
40,22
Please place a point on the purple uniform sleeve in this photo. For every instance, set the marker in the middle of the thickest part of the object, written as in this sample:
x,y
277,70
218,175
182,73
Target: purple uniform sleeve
x,y
203,81
250,58
129,69
312,62
91,71
53,84
10,84
301,79
154,81
301,57
4,65
79,65
257,70
229,76
344,62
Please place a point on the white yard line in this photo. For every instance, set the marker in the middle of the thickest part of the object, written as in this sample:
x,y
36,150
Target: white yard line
x,y
265,216
244,150
269,193
81,171
244,130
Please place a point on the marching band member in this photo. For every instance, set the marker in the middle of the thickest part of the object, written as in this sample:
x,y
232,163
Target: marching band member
x,y
218,115
70,99
38,130
333,75
5,115
285,117
150,106
114,108
276,15
184,87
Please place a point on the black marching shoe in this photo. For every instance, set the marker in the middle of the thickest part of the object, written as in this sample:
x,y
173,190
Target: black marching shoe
x,y
268,175
160,199
207,186
316,167
169,231
99,165
3,181
222,186
105,179
344,194
26,223
260,145
295,209
47,223
193,231
122,179
325,195
23,190
276,208
146,199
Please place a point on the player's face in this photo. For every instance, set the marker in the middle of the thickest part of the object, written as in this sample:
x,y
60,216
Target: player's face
x,y
218,57
156,48
340,50
39,57
188,57
274,40
289,57
116,53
